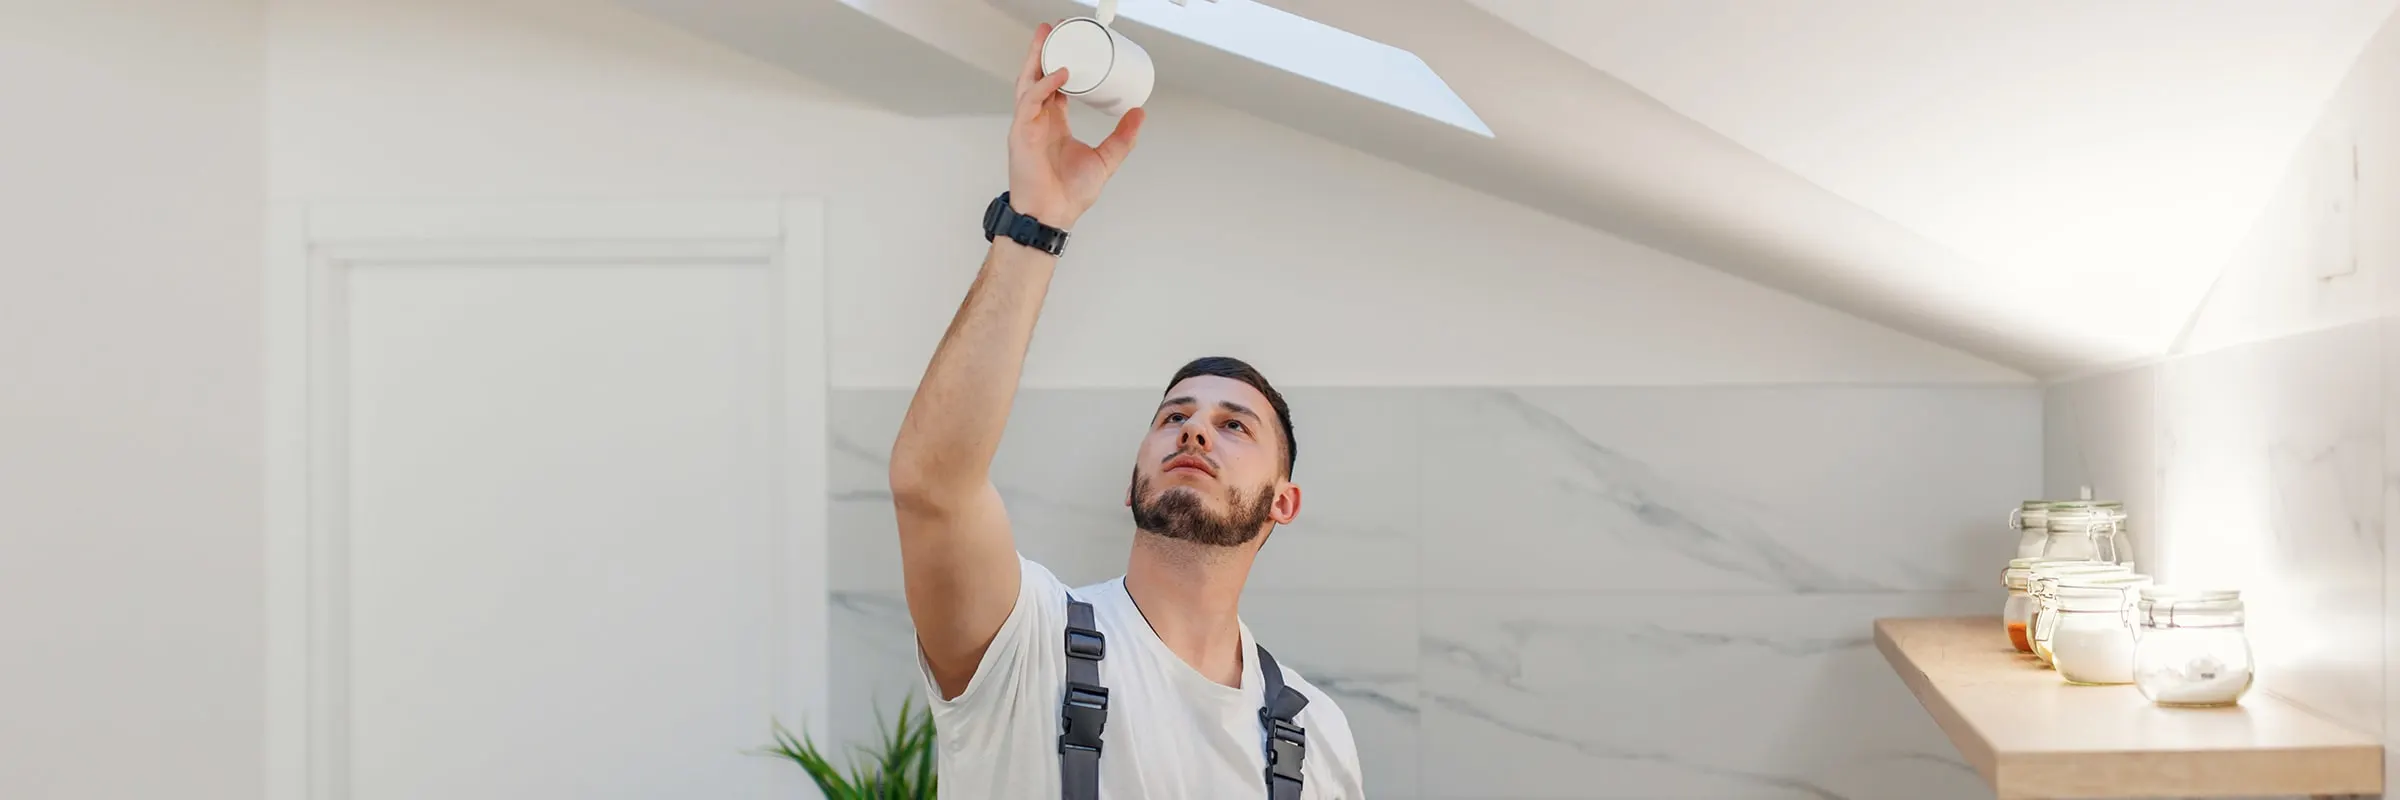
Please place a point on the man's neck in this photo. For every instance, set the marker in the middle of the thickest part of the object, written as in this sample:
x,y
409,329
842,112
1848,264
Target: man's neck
x,y
1191,594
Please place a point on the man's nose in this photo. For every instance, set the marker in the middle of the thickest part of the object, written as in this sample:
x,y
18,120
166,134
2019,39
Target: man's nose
x,y
1194,434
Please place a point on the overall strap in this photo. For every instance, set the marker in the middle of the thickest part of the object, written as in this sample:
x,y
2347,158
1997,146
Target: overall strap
x,y
1287,742
1084,710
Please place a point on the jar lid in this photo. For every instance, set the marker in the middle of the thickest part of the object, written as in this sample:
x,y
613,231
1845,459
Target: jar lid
x,y
2083,523
2189,594
2030,515
2112,581
2075,567
2118,592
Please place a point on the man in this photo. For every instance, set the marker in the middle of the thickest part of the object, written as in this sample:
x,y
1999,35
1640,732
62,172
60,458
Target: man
x,y
1187,701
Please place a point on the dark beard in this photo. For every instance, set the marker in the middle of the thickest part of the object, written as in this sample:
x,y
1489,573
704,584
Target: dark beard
x,y
1180,515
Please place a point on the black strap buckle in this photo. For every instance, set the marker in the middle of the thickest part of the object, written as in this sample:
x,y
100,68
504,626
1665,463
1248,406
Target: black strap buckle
x,y
1086,644
1082,718
1286,748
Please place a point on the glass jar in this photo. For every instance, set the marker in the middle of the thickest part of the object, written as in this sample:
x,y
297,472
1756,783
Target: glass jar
x,y
2017,611
2030,520
2092,641
2016,615
2193,648
2086,529
2042,586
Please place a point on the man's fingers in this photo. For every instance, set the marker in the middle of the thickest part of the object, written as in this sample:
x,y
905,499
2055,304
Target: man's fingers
x,y
1119,143
1032,71
1040,94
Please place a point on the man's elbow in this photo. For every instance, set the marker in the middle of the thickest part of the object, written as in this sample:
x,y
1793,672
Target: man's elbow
x,y
921,485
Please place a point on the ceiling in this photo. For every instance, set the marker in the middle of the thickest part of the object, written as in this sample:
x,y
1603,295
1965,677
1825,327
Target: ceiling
x,y
2051,184
2114,150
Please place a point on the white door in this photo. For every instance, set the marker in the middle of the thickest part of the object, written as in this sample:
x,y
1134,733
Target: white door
x,y
562,538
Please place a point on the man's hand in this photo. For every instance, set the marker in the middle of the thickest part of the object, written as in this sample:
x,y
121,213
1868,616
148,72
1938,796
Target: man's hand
x,y
1052,176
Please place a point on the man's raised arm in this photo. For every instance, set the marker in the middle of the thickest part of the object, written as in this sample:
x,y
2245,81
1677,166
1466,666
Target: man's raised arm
x,y
960,561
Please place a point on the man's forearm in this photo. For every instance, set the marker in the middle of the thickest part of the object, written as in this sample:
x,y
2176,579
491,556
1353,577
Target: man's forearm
x,y
960,411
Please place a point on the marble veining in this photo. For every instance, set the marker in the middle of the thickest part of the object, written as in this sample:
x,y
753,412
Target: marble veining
x,y
2322,631
2272,469
1463,707
1643,490
1669,515
1679,696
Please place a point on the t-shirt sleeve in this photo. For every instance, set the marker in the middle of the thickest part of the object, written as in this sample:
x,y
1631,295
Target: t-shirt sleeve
x,y
1033,635
1332,769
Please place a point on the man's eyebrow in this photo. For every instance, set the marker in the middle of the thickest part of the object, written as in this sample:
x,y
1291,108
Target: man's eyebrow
x,y
1224,404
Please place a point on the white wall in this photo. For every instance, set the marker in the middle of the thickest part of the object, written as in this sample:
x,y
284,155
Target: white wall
x,y
1358,271
130,507
130,422
2262,452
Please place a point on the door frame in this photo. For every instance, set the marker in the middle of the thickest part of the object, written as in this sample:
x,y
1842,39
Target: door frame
x,y
312,247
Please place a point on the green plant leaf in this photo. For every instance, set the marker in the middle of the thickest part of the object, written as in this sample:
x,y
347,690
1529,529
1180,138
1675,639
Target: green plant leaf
x,y
804,752
902,764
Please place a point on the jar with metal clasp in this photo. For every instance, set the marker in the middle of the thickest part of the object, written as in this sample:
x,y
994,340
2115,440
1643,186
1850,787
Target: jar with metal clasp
x,y
2086,529
2092,640
2044,583
2192,649
2016,614
2030,521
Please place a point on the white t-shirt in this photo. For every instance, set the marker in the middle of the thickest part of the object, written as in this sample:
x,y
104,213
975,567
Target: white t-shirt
x,y
1172,734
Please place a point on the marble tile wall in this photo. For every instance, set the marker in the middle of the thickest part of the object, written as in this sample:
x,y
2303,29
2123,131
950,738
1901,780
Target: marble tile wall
x,y
2275,453
1554,592
2268,466
2272,467
2101,432
2271,472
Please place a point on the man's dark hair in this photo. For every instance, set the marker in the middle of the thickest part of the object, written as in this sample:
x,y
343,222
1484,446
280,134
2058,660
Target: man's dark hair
x,y
1237,369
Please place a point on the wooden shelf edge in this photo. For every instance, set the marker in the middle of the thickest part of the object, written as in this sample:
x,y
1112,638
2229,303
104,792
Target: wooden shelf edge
x,y
1967,656
1971,744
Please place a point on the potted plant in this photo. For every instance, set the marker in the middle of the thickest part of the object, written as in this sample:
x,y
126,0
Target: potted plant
x,y
900,766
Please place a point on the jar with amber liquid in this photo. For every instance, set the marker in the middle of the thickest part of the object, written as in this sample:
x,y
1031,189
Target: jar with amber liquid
x,y
2016,615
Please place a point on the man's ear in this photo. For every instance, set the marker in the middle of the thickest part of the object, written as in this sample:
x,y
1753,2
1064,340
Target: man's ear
x,y
1287,504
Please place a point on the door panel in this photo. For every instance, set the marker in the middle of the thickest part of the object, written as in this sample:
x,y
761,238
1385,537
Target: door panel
x,y
560,554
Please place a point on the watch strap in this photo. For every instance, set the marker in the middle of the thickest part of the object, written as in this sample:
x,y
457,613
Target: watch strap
x,y
1004,220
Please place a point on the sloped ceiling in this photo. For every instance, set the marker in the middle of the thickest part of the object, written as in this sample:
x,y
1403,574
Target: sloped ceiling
x,y
2051,184
2106,156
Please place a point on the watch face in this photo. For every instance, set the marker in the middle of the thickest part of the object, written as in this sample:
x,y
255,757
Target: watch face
x,y
991,216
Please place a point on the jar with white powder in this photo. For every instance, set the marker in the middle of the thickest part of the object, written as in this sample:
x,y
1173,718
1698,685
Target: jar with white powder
x,y
2093,641
2194,650
2087,529
2043,621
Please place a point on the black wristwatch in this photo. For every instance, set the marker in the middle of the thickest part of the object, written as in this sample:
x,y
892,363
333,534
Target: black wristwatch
x,y
1003,220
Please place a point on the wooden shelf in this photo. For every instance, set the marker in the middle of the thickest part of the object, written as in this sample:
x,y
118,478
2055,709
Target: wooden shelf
x,y
2032,735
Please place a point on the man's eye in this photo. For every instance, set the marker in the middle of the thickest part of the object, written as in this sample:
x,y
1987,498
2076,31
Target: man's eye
x,y
1237,425
1173,417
